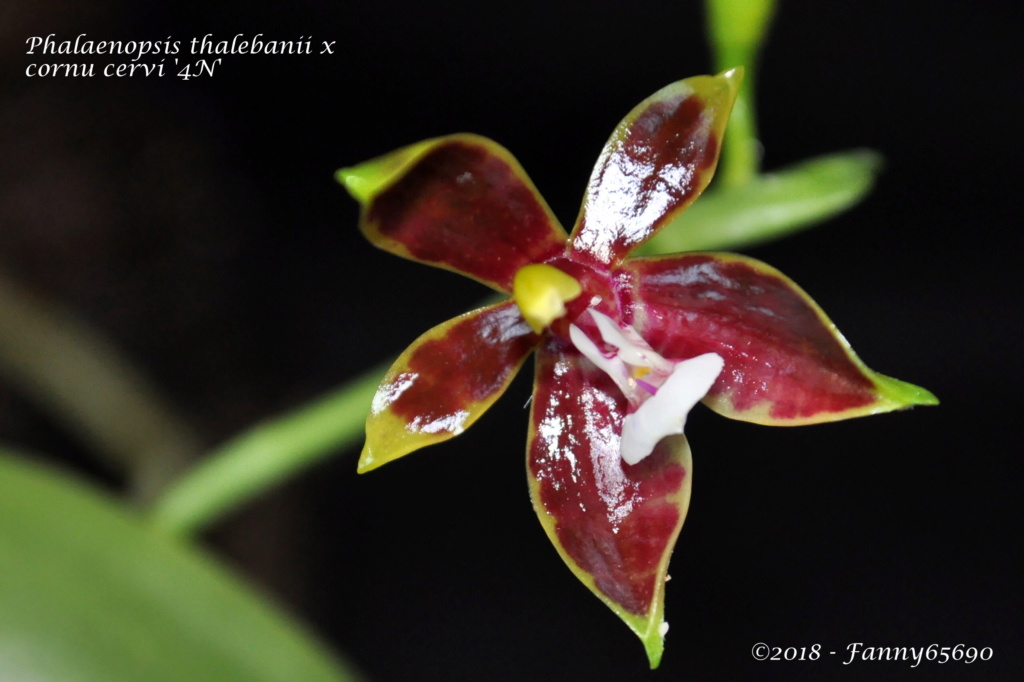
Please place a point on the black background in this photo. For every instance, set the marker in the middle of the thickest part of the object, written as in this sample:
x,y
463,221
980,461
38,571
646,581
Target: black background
x,y
198,224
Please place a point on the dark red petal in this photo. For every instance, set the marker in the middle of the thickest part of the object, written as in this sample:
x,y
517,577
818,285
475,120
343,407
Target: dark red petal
x,y
785,362
658,160
613,524
445,381
460,202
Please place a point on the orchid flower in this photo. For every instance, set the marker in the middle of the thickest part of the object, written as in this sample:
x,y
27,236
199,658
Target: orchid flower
x,y
625,347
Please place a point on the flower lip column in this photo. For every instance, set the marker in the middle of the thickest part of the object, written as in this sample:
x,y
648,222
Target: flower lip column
x,y
624,347
660,393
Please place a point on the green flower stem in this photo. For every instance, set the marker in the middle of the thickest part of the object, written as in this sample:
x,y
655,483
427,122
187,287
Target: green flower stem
x,y
72,371
740,161
736,29
266,455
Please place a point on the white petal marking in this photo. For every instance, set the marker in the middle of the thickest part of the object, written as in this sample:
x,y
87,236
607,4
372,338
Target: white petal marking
x,y
661,392
664,413
633,350
613,366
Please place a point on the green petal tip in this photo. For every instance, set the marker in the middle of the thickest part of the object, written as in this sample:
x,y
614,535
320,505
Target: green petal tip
x,y
734,76
654,644
900,394
650,628
368,179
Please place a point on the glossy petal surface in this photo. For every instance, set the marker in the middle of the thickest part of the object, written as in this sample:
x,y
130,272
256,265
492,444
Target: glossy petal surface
x,y
785,362
460,202
658,160
614,524
444,381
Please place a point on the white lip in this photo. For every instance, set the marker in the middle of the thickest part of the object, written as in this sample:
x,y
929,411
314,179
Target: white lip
x,y
677,386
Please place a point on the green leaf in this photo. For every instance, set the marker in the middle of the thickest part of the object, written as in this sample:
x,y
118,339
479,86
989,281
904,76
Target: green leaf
x,y
770,206
91,593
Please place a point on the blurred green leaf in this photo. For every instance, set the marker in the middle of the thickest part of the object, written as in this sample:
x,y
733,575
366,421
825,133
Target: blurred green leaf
x,y
91,593
770,206
71,369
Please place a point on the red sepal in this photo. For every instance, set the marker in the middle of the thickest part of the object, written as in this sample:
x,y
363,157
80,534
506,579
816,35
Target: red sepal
x,y
460,202
658,160
613,524
445,381
785,362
